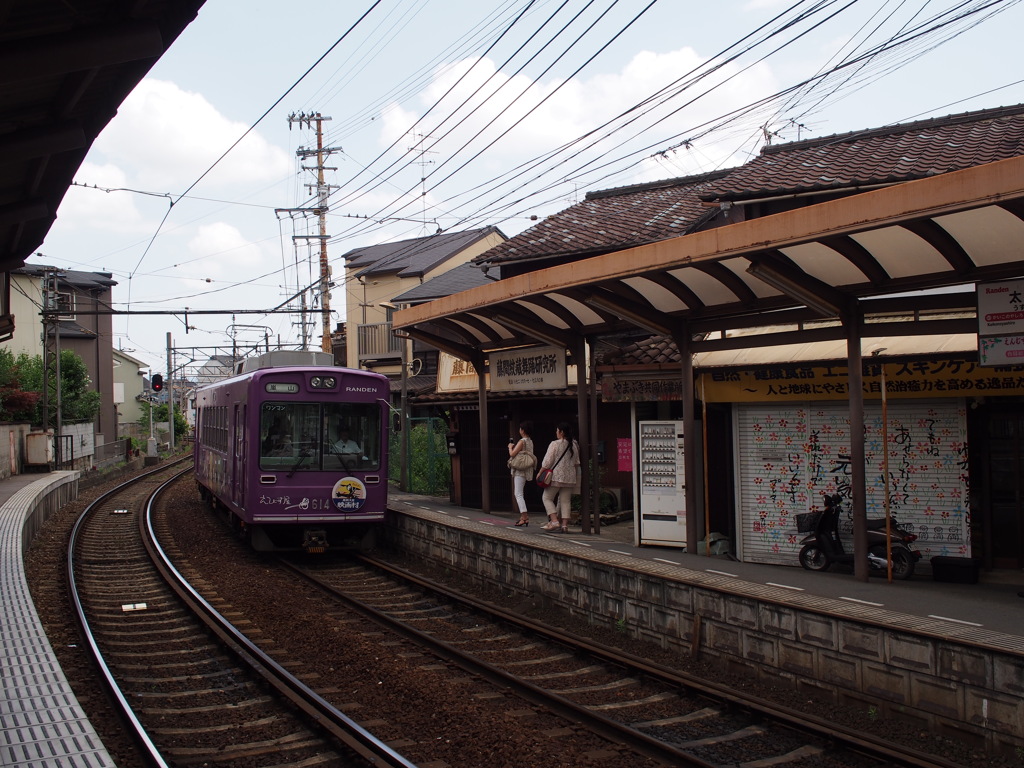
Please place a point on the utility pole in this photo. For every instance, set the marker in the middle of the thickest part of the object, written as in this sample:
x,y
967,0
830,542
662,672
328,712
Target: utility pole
x,y
170,392
423,163
51,409
151,443
322,190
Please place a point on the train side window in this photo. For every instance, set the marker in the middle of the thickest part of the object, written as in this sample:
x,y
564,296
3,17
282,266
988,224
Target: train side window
x,y
288,433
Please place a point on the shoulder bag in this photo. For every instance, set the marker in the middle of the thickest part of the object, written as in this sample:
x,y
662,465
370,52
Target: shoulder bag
x,y
522,461
544,475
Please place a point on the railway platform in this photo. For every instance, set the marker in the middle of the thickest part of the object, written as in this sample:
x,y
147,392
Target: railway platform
x,y
994,603
42,723
947,658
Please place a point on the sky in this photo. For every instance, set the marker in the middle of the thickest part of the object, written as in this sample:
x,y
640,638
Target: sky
x,y
447,115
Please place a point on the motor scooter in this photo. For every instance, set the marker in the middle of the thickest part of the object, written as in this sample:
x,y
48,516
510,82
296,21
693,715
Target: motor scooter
x,y
823,546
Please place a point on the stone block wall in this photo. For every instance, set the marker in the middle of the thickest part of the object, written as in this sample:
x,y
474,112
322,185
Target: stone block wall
x,y
955,680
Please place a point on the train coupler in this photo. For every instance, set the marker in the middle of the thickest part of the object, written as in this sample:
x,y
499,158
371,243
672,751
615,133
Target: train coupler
x,y
314,542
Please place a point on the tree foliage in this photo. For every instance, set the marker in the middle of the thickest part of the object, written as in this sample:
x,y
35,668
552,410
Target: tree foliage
x,y
429,463
21,388
16,404
181,427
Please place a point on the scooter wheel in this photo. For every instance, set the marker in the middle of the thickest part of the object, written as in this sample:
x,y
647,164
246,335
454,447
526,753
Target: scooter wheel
x,y
813,559
902,564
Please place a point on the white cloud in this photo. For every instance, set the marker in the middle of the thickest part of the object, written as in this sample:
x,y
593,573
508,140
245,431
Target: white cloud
x,y
224,250
106,207
165,137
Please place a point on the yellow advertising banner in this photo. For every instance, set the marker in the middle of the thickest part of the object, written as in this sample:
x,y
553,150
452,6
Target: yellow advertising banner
x,y
800,381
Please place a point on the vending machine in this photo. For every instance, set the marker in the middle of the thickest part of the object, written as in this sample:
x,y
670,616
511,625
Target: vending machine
x,y
661,484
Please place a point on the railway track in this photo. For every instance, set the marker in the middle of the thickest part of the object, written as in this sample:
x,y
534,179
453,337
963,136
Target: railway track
x,y
447,680
670,717
192,688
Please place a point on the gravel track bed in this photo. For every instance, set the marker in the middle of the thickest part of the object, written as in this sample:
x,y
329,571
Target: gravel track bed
x,y
398,692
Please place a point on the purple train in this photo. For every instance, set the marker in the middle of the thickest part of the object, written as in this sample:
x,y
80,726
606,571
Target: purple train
x,y
295,453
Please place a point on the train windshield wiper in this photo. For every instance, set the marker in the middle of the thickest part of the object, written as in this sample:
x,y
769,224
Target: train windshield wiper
x,y
304,454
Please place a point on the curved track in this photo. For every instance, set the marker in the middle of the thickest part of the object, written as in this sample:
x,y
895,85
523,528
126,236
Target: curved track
x,y
192,687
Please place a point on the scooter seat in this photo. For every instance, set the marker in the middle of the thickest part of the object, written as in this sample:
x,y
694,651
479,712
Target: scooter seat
x,y
875,524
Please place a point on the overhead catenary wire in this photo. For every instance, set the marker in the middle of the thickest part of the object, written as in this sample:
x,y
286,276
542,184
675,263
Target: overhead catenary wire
x,y
500,203
555,152
556,196
589,60
708,128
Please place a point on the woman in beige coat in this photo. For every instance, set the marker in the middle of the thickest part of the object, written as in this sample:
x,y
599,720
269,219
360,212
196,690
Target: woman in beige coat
x,y
563,459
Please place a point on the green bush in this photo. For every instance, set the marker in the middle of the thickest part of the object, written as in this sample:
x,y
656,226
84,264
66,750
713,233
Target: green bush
x,y
430,466
21,388
181,427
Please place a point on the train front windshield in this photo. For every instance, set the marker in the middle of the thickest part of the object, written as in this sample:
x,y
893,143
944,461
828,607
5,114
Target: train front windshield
x,y
320,436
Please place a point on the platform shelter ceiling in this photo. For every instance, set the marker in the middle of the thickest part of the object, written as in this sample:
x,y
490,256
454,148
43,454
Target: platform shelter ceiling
x,y
65,68
869,253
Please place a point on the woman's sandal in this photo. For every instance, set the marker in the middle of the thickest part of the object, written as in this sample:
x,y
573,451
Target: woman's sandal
x,y
565,529
550,527
522,522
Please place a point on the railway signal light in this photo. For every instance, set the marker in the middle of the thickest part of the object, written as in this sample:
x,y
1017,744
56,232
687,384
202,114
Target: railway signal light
x,y
158,382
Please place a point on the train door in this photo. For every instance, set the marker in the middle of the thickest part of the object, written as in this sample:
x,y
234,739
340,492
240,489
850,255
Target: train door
x,y
238,457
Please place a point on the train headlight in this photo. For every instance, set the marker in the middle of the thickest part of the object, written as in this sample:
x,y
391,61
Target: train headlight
x,y
323,382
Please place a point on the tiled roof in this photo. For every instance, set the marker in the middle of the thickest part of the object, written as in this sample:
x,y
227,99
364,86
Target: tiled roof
x,y
412,258
462,278
612,220
415,385
655,350
72,277
879,156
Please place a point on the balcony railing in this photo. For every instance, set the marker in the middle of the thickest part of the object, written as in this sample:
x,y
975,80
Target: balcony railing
x,y
376,342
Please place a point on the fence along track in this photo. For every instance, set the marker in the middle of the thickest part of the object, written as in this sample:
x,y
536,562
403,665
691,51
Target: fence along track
x,y
179,678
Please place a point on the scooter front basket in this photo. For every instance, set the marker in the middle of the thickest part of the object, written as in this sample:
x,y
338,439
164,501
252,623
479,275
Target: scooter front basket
x,y
808,521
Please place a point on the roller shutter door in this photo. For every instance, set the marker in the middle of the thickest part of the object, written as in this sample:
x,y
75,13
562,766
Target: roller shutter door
x,y
789,454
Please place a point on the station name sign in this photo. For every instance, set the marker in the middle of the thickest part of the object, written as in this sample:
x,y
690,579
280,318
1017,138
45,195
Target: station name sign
x,y
528,368
516,370
1001,323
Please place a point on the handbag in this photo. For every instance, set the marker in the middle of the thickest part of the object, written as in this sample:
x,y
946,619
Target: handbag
x,y
544,473
522,461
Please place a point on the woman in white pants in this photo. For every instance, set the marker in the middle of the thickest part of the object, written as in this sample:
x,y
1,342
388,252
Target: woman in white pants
x,y
563,458
519,476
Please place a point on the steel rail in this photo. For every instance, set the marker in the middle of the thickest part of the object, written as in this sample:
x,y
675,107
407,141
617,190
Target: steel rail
x,y
149,750
827,730
322,712
596,722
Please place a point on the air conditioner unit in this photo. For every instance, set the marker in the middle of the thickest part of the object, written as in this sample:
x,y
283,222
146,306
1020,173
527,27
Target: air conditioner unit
x,y
623,498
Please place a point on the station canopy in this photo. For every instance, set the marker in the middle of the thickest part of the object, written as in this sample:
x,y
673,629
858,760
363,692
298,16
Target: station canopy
x,y
903,259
